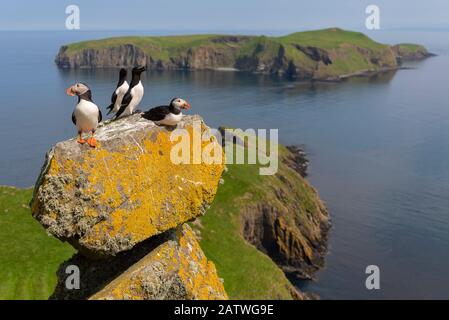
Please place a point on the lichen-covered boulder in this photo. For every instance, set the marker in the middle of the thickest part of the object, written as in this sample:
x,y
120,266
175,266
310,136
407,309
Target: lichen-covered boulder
x,y
170,266
176,270
108,199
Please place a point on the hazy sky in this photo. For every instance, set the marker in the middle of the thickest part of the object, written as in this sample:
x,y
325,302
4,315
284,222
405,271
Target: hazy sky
x,y
222,15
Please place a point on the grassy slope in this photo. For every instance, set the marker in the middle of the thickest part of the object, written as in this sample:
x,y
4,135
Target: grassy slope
x,y
326,38
331,39
158,47
248,273
411,48
29,258
262,48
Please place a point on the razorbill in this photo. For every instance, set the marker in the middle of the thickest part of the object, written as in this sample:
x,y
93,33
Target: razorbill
x,y
133,96
86,115
119,93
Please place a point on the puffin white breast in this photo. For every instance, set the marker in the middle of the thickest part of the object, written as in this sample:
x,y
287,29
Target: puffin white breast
x,y
86,115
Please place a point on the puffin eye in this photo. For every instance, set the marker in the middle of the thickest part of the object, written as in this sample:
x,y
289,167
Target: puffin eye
x,y
179,100
77,85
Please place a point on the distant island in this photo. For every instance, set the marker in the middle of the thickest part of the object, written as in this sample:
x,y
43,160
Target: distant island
x,y
329,54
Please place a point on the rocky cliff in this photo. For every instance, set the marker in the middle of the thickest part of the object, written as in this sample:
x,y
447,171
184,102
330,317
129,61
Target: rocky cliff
x,y
273,226
287,221
329,54
409,51
123,205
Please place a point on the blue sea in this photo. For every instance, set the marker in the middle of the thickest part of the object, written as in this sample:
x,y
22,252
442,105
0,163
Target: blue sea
x,y
378,147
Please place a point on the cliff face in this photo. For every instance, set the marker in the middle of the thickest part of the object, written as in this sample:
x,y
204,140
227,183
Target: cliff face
x,y
288,221
408,51
329,54
294,239
123,205
273,226
122,55
220,53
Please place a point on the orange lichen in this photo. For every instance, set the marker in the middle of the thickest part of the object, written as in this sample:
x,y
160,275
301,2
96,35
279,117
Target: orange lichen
x,y
202,282
135,187
177,269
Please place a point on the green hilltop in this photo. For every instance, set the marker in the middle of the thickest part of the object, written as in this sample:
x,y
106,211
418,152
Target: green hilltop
x,y
326,38
319,54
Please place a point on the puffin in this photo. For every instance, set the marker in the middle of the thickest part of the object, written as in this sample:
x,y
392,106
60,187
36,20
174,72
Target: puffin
x,y
86,115
167,115
119,93
133,96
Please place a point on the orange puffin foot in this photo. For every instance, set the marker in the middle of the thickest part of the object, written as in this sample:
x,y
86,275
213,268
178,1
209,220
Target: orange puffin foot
x,y
92,142
81,140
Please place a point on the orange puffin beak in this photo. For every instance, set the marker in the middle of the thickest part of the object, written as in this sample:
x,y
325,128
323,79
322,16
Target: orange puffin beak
x,y
70,92
186,106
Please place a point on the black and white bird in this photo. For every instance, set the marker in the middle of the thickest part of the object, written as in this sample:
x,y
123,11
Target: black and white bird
x,y
86,115
119,93
168,115
133,96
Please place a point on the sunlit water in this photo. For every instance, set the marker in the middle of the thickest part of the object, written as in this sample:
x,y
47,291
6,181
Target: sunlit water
x,y
378,148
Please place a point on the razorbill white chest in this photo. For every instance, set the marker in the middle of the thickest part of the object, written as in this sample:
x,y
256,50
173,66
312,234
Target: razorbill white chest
x,y
137,93
120,91
86,116
167,115
133,96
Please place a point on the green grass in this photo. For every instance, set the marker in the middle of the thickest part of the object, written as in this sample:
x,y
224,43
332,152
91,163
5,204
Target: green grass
x,y
325,38
247,272
345,45
158,47
411,47
29,257
332,38
348,60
